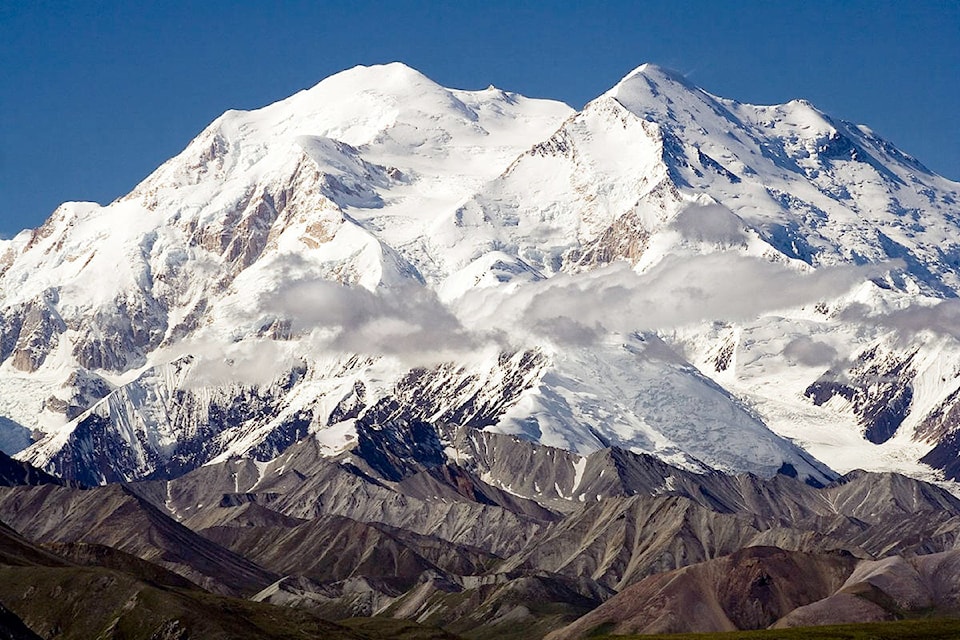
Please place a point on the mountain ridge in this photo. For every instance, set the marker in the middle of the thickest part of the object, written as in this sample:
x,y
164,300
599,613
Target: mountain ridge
x,y
479,547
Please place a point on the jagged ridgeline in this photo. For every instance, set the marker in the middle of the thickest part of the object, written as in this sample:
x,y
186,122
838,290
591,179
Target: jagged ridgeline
x,y
389,348
514,539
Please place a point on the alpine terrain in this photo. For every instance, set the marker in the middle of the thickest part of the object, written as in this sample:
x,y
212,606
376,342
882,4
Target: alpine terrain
x,y
396,355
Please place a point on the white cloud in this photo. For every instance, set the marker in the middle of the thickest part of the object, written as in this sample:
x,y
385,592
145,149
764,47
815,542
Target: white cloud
x,y
678,291
411,324
408,322
714,224
942,318
807,351
250,362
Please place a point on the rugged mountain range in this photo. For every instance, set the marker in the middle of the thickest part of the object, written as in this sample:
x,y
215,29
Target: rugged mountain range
x,y
486,363
710,596
718,284
625,544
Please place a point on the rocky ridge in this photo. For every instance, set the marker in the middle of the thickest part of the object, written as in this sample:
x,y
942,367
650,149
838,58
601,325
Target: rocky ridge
x,y
446,545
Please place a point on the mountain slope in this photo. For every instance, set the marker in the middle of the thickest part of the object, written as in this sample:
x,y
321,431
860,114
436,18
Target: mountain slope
x,y
761,587
711,596
115,517
378,532
14,473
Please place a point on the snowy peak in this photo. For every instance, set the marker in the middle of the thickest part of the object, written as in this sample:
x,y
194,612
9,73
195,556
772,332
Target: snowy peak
x,y
667,97
359,104
395,75
815,189
650,90
743,130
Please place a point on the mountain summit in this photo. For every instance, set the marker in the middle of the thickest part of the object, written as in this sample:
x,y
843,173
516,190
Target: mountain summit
x,y
724,286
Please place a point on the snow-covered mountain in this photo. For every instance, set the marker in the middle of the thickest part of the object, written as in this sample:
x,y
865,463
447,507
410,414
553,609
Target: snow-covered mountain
x,y
722,285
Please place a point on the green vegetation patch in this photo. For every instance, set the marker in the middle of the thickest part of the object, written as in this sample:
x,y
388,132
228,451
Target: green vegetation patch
x,y
82,603
921,629
396,629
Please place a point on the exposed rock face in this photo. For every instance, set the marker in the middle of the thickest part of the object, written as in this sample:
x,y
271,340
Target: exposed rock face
x,y
626,239
171,427
617,542
115,517
83,389
14,473
352,598
32,332
946,456
879,387
750,589
840,608
525,607
649,518
942,427
763,586
118,338
333,549
887,589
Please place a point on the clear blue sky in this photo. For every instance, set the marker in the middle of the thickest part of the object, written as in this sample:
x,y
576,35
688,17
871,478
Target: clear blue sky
x,y
94,95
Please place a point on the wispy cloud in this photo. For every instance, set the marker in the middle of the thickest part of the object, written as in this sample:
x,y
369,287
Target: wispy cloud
x,y
941,318
810,352
713,223
406,321
411,324
678,292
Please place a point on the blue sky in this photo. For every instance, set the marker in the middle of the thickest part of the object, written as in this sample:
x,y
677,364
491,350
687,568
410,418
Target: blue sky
x,y
94,95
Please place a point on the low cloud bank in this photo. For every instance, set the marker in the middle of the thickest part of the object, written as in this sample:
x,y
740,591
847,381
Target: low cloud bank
x,y
410,321
411,324
941,318
679,291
